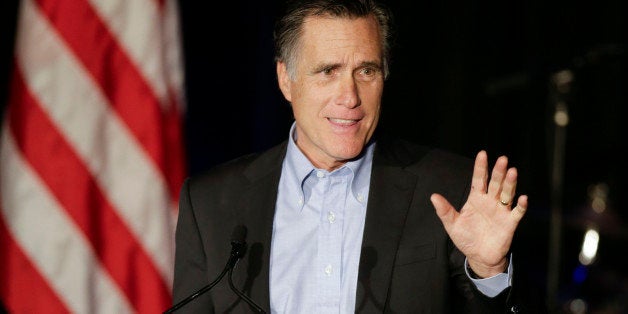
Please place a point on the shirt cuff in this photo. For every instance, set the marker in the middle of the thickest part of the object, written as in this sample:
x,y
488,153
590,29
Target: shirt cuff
x,y
492,286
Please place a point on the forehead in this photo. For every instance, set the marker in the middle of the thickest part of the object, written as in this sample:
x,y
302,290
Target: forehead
x,y
324,34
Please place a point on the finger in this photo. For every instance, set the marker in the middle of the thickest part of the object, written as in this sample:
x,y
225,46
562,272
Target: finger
x,y
497,176
508,187
445,211
521,208
480,173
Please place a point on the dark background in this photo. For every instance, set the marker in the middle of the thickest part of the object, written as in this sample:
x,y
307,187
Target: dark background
x,y
464,77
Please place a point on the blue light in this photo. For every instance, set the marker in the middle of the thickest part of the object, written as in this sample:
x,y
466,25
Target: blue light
x,y
580,274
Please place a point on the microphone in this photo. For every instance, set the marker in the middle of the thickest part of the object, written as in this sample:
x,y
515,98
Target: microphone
x,y
238,245
238,248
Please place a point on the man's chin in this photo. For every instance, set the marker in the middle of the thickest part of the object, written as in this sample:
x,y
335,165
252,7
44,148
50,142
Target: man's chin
x,y
349,153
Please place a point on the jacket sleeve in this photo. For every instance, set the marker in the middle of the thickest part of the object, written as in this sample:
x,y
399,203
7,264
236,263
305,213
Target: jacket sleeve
x,y
190,270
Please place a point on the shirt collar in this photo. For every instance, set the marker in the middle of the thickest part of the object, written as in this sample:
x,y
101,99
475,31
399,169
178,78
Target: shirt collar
x,y
299,167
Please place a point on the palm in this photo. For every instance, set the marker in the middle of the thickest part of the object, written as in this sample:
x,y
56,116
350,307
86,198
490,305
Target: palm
x,y
484,227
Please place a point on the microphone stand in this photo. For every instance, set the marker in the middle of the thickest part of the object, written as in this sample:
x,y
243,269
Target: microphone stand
x,y
248,300
238,247
228,268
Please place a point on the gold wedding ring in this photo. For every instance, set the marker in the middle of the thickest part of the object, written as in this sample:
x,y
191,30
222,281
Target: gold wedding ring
x,y
503,203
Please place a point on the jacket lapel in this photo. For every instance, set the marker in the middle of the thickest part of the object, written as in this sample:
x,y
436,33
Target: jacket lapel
x,y
390,195
256,208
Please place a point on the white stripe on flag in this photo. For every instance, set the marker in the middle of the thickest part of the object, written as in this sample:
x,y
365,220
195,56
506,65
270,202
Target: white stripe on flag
x,y
125,173
137,26
43,230
173,56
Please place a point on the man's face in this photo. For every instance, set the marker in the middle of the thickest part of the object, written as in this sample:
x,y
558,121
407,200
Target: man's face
x,y
336,94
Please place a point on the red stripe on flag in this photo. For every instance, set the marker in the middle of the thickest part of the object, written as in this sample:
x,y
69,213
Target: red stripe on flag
x,y
23,289
175,164
76,190
161,4
127,90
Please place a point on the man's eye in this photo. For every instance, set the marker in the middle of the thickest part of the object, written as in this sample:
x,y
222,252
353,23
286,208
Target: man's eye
x,y
328,71
368,71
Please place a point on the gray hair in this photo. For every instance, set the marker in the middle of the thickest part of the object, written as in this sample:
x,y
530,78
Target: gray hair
x,y
288,29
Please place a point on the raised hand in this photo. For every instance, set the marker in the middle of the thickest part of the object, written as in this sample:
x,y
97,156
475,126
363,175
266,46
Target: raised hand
x,y
485,225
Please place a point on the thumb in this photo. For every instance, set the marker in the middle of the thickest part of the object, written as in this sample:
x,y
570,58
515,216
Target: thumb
x,y
445,211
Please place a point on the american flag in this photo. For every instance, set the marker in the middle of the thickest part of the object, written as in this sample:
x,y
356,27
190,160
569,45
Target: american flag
x,y
91,157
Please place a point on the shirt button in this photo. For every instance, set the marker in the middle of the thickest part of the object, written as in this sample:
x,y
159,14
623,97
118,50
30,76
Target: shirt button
x,y
320,174
328,270
360,198
331,217
300,201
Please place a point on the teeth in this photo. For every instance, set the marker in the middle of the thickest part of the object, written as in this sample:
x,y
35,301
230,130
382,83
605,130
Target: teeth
x,y
342,121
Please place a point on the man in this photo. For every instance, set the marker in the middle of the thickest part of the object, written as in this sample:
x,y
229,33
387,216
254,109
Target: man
x,y
340,220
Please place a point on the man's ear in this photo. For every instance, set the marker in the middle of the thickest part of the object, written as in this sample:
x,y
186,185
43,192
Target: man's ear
x,y
284,80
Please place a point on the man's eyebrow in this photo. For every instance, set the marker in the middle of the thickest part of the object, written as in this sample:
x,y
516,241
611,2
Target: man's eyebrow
x,y
324,66
370,64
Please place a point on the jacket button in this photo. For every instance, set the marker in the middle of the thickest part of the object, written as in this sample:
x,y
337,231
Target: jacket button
x,y
514,309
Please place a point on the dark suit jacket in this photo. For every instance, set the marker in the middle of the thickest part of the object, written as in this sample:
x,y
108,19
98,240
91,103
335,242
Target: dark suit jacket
x,y
408,263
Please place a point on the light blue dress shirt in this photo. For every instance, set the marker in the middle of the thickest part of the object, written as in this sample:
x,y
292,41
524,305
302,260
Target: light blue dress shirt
x,y
317,235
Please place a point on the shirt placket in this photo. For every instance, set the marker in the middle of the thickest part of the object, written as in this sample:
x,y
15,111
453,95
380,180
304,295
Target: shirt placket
x,y
332,193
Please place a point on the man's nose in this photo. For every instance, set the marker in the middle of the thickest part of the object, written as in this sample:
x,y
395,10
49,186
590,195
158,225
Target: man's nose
x,y
348,92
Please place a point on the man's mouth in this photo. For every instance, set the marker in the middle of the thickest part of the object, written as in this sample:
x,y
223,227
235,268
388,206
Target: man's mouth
x,y
343,122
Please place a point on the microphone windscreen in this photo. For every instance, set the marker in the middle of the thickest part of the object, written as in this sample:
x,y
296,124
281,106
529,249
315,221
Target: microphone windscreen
x,y
239,234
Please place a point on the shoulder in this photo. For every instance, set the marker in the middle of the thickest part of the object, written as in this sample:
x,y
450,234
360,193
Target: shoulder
x,y
435,169
241,170
411,155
